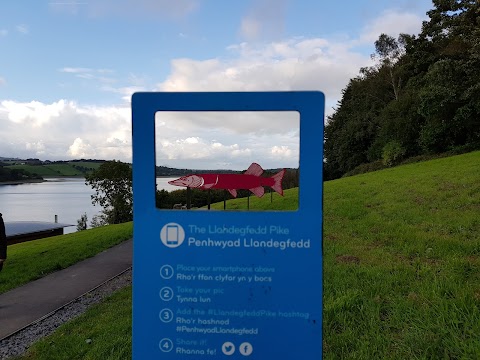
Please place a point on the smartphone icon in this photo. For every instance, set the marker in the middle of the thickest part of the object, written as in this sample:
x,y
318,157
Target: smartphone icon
x,y
172,234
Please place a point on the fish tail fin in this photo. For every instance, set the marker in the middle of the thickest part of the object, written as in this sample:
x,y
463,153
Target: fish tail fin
x,y
277,181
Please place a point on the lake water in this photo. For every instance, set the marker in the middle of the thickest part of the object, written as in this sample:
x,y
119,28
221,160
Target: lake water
x,y
68,198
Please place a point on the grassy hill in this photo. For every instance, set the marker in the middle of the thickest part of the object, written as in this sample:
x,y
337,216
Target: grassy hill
x,y
401,267
32,260
74,168
402,262
272,201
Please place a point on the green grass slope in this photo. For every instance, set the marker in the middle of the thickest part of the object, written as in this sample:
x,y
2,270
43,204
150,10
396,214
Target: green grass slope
x,y
402,262
401,266
104,332
74,168
273,201
89,165
34,259
35,169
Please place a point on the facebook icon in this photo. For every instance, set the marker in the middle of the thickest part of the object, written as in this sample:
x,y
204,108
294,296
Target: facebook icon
x,y
245,349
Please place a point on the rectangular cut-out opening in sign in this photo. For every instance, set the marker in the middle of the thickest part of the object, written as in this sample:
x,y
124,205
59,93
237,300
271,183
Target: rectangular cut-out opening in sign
x,y
227,160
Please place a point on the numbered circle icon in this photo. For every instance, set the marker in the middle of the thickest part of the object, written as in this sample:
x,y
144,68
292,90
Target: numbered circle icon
x,y
166,293
166,315
245,349
228,348
172,235
166,345
166,272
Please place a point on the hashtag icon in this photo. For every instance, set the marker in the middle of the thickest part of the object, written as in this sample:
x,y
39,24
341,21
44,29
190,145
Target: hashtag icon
x,y
179,329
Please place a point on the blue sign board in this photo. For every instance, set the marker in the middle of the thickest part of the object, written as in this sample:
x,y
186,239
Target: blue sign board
x,y
228,284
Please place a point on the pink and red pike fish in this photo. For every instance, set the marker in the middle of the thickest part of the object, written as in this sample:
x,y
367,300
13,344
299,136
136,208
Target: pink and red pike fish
x,y
250,180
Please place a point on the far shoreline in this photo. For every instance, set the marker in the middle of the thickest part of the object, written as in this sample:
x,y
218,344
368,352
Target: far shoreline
x,y
19,182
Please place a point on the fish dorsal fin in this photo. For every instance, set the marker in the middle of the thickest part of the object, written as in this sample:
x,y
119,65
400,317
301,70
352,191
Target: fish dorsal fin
x,y
254,169
233,192
258,191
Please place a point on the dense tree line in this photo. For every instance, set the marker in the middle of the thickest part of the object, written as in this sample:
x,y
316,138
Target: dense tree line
x,y
421,97
166,171
7,174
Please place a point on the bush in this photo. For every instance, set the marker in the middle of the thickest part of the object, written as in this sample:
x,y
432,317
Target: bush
x,y
82,222
392,153
366,168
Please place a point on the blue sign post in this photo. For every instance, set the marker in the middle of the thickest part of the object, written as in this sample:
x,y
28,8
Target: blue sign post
x,y
224,284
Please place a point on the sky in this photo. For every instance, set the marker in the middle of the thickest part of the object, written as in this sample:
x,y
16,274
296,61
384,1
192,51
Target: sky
x,y
68,70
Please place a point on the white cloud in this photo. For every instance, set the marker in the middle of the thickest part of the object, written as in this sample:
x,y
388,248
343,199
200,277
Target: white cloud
x,y
136,83
200,153
3,81
22,28
81,149
85,70
85,76
294,64
281,151
75,70
37,147
192,140
88,73
199,140
125,91
226,139
65,129
391,23
116,142
34,114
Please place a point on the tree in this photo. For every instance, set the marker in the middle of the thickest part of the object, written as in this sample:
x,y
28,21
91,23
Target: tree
x,y
98,220
82,222
421,97
389,51
112,183
451,89
392,153
352,129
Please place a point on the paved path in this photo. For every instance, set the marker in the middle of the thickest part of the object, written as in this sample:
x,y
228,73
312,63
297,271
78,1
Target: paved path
x,y
23,305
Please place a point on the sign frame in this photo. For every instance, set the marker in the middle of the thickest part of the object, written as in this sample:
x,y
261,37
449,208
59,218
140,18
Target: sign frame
x,y
156,245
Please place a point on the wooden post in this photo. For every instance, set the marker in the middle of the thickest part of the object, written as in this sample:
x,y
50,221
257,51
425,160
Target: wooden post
x,y
209,199
271,195
224,199
248,201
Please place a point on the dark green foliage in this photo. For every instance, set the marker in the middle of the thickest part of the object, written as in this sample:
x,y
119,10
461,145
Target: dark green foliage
x,y
423,95
7,174
392,153
112,182
167,171
82,222
166,200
